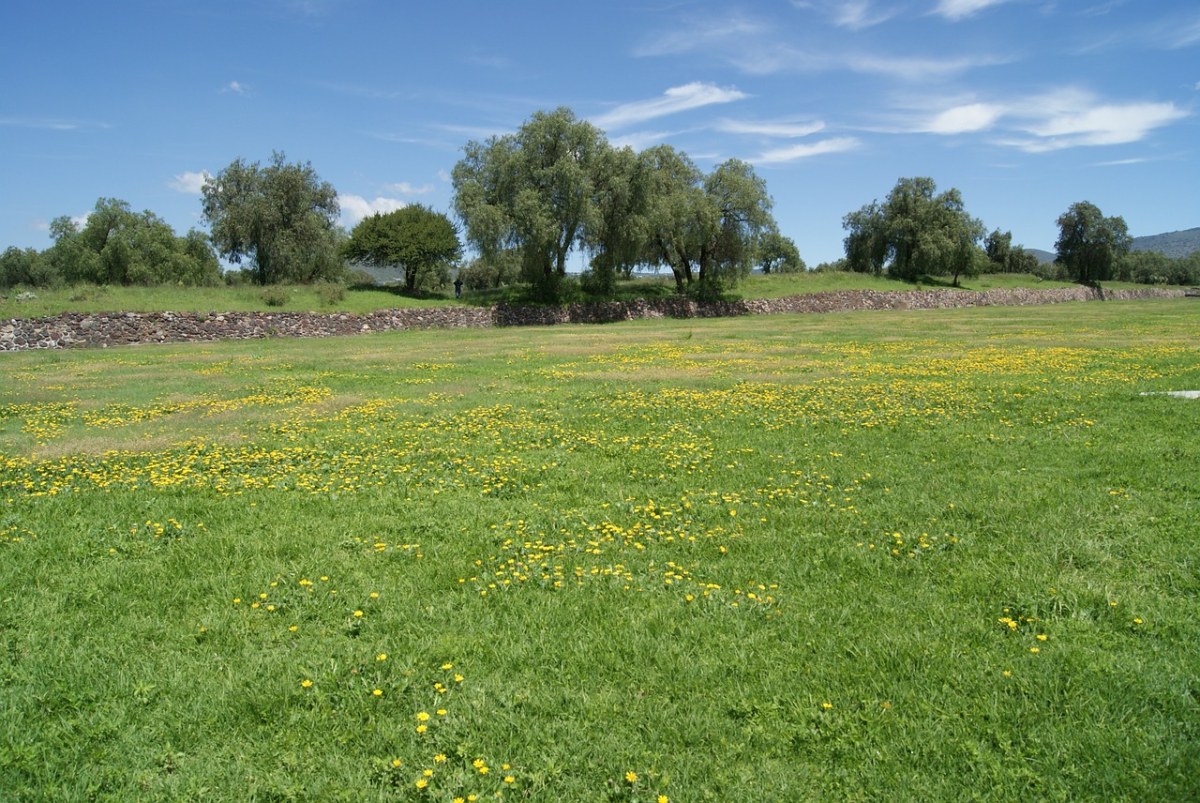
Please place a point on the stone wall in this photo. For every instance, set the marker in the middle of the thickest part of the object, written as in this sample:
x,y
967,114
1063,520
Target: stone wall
x,y
116,329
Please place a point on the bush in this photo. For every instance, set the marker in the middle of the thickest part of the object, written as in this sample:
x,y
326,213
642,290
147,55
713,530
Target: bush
x,y
331,293
274,296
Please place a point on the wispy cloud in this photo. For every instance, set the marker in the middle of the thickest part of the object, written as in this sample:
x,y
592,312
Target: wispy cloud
x,y
960,9
355,207
674,100
404,188
640,140
236,88
766,128
758,48
793,153
853,14
51,123
1064,118
189,182
1119,162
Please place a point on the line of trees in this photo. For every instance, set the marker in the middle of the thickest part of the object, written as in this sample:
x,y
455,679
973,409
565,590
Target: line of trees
x,y
529,199
917,232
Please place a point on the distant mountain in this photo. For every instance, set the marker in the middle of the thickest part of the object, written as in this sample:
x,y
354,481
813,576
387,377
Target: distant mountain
x,y
1174,244
1043,256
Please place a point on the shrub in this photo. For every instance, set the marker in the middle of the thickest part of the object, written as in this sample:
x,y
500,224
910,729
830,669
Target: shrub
x,y
274,296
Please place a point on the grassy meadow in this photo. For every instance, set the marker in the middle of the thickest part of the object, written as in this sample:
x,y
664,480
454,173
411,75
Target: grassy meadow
x,y
942,555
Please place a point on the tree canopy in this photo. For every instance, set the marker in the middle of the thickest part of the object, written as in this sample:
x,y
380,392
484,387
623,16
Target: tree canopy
x,y
116,245
556,184
421,242
1089,244
280,216
915,232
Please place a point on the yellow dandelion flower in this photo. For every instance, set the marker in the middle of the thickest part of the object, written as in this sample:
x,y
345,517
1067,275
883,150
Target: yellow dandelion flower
x,y
484,770
509,779
377,692
1034,650
477,763
374,595
422,728
381,657
631,776
237,600
306,684
441,712
421,783
825,706
458,678
396,762
1042,637
358,614
293,628
428,773
447,666
422,716
440,758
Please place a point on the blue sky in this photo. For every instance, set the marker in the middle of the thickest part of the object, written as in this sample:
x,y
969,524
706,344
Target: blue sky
x,y
1025,106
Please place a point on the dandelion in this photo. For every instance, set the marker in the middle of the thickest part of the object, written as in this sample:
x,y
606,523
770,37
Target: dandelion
x,y
421,783
381,657
1042,637
306,684
447,666
293,628
358,614
1007,673
237,600
422,728
631,776
1034,650
441,712
374,595
422,716
440,758
377,692
509,779
664,799
825,706
396,762
458,678
428,773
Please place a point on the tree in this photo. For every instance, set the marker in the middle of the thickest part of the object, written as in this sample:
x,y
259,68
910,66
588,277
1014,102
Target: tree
x,y
26,266
533,190
118,246
778,254
617,233
421,242
1089,244
914,232
707,229
282,217
999,249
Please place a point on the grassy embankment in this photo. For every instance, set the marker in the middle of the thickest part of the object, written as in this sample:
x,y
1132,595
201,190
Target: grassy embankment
x,y
325,298
936,555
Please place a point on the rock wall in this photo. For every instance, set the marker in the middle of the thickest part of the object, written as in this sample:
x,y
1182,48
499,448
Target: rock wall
x,y
116,329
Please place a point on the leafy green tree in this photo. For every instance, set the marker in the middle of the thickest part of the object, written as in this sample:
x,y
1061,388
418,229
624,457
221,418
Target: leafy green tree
x,y
118,246
1022,261
26,266
281,216
533,190
778,254
421,242
915,232
1089,244
706,229
999,249
617,233
498,270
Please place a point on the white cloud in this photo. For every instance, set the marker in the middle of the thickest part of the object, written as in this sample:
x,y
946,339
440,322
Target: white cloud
x,y
916,69
404,188
964,119
676,99
236,87
770,129
50,123
1064,118
959,9
1072,118
853,14
793,153
190,182
356,207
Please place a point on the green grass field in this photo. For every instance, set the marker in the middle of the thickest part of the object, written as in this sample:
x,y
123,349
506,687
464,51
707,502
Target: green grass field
x,y
942,555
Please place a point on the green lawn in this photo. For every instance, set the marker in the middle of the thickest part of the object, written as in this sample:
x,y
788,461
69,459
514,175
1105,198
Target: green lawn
x,y
937,555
